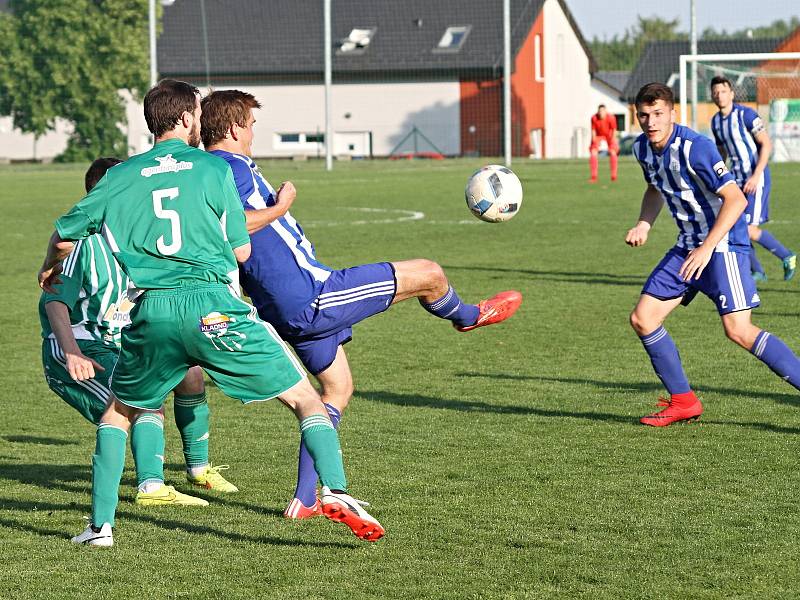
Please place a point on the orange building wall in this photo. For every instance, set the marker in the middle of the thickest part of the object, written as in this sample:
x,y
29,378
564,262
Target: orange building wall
x,y
481,105
780,87
527,95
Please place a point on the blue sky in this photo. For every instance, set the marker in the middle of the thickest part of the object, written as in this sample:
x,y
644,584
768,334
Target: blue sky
x,y
604,18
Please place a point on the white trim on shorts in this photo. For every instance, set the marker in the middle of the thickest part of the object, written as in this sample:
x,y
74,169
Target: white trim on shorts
x,y
355,294
758,200
94,387
735,281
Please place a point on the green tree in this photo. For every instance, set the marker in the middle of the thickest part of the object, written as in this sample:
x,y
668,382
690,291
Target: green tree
x,y
622,53
776,29
71,60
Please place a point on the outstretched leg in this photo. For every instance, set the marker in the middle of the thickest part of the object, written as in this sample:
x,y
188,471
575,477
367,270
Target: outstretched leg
x,y
425,280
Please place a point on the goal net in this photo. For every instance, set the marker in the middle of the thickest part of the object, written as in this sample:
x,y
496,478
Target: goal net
x,y
769,83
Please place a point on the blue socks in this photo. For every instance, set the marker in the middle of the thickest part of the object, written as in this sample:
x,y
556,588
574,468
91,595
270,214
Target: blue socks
x,y
777,356
666,361
768,241
306,490
755,264
450,307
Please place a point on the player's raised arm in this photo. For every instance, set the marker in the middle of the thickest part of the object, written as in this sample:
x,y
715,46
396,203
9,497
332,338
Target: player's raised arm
x,y
57,250
651,207
260,218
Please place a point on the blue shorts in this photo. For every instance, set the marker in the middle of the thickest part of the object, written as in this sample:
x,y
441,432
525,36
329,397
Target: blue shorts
x,y
726,280
757,210
347,297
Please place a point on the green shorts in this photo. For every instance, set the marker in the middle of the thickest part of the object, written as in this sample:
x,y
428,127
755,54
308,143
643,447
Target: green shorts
x,y
206,325
88,397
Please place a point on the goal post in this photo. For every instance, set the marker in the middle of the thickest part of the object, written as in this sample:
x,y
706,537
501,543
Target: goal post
x,y
769,82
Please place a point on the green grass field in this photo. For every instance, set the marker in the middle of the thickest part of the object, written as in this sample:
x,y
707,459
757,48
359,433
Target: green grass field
x,y
504,463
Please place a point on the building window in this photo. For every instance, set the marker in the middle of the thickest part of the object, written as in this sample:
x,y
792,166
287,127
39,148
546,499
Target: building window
x,y
289,138
298,141
538,74
453,38
357,42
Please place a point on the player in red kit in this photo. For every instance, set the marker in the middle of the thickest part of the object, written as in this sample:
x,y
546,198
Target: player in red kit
x,y
604,126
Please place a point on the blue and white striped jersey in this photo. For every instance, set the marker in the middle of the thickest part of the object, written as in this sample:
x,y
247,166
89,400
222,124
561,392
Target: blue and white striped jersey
x,y
736,133
689,173
282,275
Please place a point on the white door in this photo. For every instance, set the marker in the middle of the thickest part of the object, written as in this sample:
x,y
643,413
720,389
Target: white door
x,y
354,143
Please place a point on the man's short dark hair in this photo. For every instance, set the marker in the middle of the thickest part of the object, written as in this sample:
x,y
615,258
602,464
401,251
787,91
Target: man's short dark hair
x,y
165,103
720,80
654,91
97,169
601,106
221,110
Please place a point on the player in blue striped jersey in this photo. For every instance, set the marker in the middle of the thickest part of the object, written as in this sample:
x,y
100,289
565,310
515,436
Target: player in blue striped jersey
x,y
685,171
742,138
312,306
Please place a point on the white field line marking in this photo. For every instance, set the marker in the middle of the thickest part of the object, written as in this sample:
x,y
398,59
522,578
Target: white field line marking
x,y
404,215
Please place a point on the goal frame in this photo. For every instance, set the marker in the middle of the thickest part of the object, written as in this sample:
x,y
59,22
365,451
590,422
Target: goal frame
x,y
692,59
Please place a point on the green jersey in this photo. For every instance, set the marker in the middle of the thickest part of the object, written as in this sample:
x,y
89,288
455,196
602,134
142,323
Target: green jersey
x,y
93,288
171,216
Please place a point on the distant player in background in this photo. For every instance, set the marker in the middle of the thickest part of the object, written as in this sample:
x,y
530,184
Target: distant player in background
x,y
684,171
604,127
81,325
312,306
742,137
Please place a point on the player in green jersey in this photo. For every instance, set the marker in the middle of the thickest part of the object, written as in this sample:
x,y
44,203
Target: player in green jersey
x,y
81,325
173,219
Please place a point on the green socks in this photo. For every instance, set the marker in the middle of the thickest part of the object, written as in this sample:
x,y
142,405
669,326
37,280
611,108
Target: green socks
x,y
147,446
191,417
108,462
322,443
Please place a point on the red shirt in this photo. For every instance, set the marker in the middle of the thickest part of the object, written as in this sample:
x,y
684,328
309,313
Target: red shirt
x,y
604,127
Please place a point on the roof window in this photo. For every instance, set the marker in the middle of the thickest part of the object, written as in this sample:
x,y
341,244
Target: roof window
x,y
357,42
453,38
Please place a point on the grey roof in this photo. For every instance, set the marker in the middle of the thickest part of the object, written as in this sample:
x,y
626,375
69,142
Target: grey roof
x,y
614,79
660,60
283,39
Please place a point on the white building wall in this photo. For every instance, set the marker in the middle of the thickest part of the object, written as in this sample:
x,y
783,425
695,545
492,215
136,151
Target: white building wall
x,y
568,101
15,145
383,112
602,94
387,111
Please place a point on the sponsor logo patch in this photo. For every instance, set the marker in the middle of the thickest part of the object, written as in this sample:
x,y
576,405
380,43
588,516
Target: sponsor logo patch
x,y
214,323
166,164
215,326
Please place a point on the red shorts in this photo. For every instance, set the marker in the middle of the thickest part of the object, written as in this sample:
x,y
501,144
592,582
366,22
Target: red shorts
x,y
610,140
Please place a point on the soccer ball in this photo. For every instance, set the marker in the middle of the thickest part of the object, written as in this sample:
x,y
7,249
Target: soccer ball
x,y
494,194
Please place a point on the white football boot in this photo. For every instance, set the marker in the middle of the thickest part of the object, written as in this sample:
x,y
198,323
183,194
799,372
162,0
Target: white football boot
x,y
95,536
